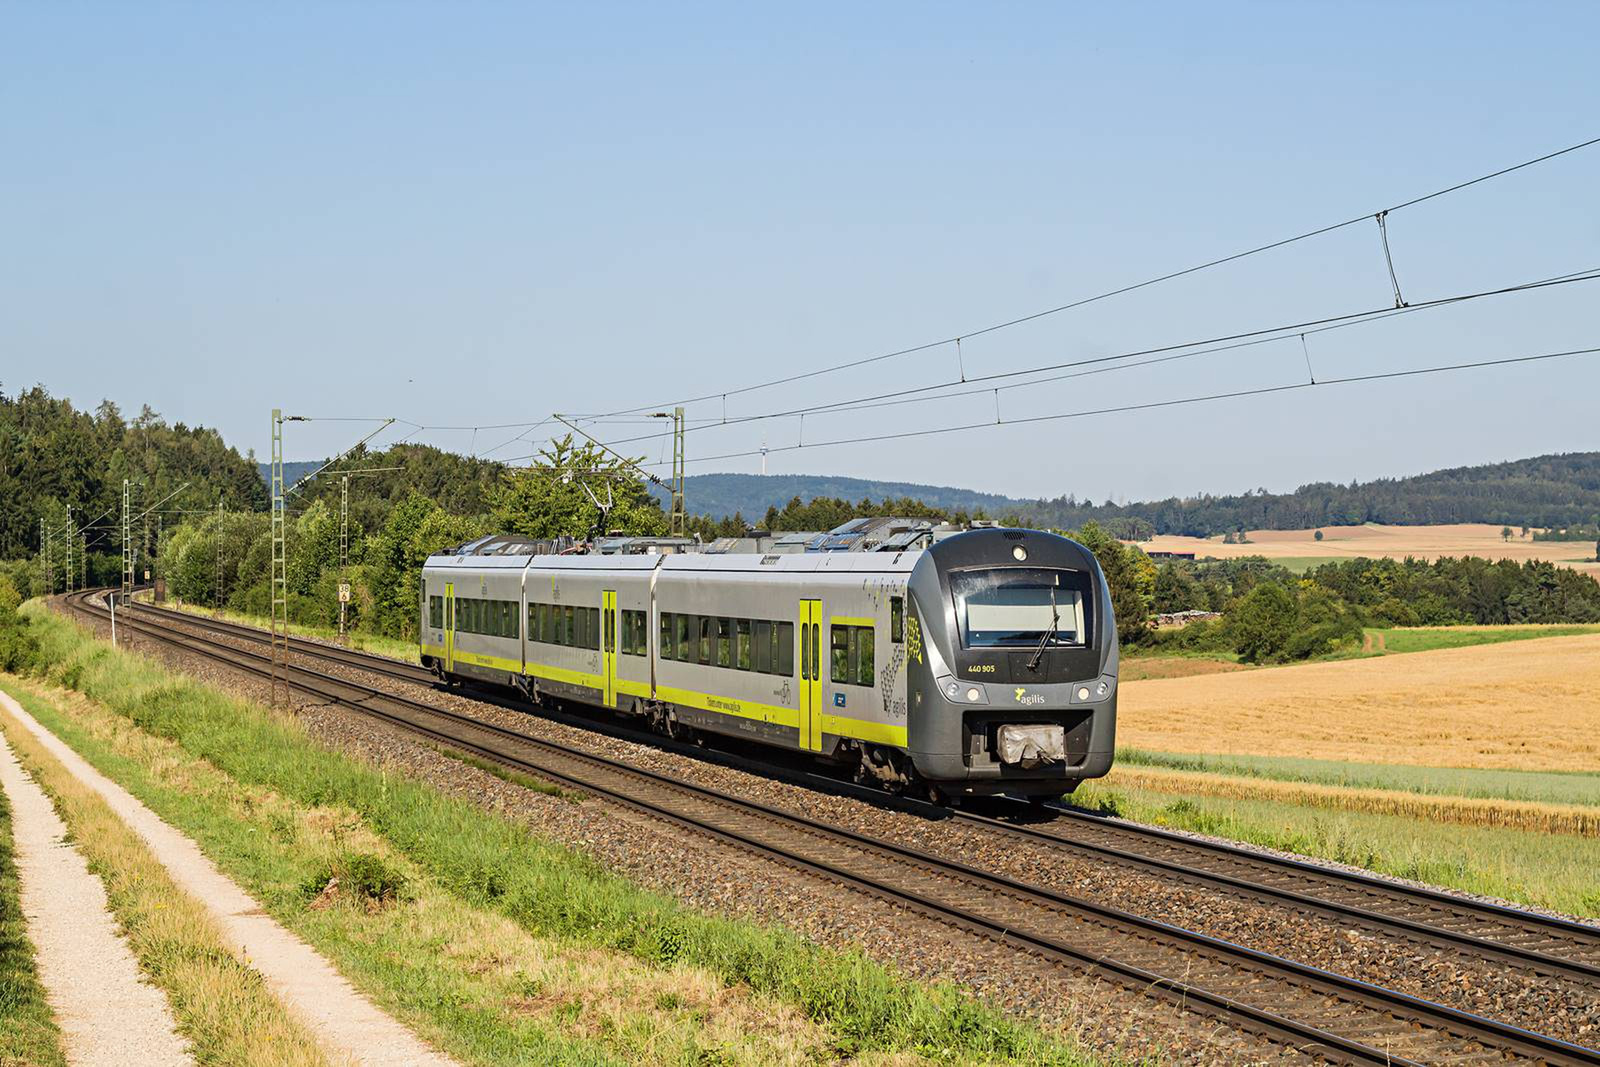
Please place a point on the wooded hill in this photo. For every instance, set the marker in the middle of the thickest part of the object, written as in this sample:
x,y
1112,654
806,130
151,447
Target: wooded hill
x,y
1555,490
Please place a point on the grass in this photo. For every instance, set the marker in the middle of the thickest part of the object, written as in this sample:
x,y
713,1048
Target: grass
x,y
1432,638
502,947
1301,564
377,644
1551,787
1533,816
1548,870
28,1033
221,1005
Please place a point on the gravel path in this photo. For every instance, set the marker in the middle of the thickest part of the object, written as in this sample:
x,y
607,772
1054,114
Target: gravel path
x,y
345,1022
109,1016
712,876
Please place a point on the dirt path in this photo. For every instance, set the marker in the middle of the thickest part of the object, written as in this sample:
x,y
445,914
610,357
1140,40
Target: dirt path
x,y
107,1013
343,1019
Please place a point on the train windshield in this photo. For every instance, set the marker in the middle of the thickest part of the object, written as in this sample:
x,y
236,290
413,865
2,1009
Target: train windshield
x,y
1019,606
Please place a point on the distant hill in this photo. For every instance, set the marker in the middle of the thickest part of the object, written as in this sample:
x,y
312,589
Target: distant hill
x,y
1554,490
721,495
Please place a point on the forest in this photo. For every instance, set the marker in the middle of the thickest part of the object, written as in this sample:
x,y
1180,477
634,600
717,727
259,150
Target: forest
x,y
411,500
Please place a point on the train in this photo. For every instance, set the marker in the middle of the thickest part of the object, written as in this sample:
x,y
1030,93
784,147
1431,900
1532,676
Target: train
x,y
983,663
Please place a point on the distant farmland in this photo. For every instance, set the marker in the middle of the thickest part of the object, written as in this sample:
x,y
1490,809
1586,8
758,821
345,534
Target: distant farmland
x,y
1300,549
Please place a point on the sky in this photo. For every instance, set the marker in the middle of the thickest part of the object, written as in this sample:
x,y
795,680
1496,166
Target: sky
x,y
477,215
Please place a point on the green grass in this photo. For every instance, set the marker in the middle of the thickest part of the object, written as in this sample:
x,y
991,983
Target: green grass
x,y
1301,564
1431,638
1549,870
492,864
28,1033
1550,787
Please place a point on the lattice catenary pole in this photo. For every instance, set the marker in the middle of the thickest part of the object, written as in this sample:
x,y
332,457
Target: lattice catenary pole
x,y
280,568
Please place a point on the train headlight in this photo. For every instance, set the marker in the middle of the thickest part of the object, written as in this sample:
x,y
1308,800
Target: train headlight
x,y
1103,688
1083,692
1019,553
973,694
952,690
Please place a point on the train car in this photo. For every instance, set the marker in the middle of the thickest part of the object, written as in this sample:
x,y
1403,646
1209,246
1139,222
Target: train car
x,y
985,663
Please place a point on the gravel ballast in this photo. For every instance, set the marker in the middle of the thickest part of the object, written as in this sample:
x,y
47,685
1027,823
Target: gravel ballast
x,y
711,875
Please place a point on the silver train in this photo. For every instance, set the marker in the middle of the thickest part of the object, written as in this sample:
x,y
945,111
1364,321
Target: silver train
x,y
985,663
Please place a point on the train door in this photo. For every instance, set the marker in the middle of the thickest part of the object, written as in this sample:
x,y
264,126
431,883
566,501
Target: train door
x,y
811,674
449,626
608,644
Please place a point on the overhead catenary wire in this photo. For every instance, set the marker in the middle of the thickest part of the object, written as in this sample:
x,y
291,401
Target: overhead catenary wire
x,y
1222,343
1319,231
1152,405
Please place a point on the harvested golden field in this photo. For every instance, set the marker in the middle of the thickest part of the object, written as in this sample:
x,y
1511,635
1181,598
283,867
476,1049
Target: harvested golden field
x,y
1528,705
1423,542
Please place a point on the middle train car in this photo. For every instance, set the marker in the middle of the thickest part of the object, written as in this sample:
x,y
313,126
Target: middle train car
x,y
872,658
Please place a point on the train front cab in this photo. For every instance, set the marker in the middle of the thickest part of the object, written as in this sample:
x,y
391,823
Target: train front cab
x,y
995,706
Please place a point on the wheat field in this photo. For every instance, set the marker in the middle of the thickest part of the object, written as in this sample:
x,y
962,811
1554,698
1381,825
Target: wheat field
x,y
1397,542
1527,705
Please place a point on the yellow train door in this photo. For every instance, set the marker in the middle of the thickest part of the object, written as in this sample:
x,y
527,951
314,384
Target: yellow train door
x,y
449,626
608,644
811,675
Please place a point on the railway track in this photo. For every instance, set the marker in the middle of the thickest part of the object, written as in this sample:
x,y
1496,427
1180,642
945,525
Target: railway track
x,y
1323,1015
1543,945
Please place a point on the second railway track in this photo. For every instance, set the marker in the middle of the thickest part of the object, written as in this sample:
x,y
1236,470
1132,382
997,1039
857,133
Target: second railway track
x,y
1321,1014
1541,944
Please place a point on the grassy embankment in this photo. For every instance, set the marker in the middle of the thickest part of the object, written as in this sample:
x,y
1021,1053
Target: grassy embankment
x,y
1471,767
218,1003
28,1033
377,644
494,944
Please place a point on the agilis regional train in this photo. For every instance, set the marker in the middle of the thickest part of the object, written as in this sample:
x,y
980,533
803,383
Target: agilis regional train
x,y
983,663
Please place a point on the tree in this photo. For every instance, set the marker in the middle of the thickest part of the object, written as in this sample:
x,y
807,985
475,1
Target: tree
x,y
1262,623
1317,535
1131,576
548,499
1505,533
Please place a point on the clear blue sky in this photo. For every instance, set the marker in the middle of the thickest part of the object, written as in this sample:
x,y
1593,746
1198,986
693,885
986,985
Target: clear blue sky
x,y
481,213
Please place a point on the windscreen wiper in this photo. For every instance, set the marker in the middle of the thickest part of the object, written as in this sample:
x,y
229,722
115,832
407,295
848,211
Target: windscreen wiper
x,y
1049,635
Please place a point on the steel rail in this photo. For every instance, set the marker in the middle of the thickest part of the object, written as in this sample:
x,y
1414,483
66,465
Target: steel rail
x,y
1579,936
1499,1038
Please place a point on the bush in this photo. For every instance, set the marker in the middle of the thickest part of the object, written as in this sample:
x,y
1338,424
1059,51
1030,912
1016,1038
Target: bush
x,y
1275,624
19,649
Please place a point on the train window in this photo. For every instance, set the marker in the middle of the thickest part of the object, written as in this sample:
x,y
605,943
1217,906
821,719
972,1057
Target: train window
x,y
707,631
686,627
594,628
724,642
741,657
541,622
641,633
762,658
567,628
666,651
1019,606
783,649
436,612
865,668
842,642
897,619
